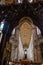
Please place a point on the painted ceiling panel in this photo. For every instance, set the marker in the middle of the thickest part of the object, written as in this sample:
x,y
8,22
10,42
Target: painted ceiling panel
x,y
25,32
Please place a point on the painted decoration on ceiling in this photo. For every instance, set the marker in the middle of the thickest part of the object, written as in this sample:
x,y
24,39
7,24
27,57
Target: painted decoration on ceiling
x,y
25,32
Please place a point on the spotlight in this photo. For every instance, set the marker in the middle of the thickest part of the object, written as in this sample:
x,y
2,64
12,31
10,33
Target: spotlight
x,y
19,1
30,1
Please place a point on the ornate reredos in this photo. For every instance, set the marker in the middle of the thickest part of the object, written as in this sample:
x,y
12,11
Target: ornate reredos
x,y
25,29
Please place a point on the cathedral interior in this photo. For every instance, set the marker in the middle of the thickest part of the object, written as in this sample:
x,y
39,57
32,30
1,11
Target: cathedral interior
x,y
21,32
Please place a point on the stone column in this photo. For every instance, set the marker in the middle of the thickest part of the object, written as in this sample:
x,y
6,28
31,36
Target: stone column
x,y
35,45
12,53
35,55
39,54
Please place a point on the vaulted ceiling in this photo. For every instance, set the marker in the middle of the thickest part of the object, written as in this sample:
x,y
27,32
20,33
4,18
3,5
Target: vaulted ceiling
x,y
14,12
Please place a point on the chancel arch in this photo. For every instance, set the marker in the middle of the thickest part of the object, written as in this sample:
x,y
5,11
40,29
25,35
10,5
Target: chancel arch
x,y
24,36
24,41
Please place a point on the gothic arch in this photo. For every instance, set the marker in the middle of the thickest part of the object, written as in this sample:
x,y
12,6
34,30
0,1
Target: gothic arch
x,y
29,21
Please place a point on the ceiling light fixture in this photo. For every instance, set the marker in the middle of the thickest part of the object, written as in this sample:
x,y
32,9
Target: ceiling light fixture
x,y
30,1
